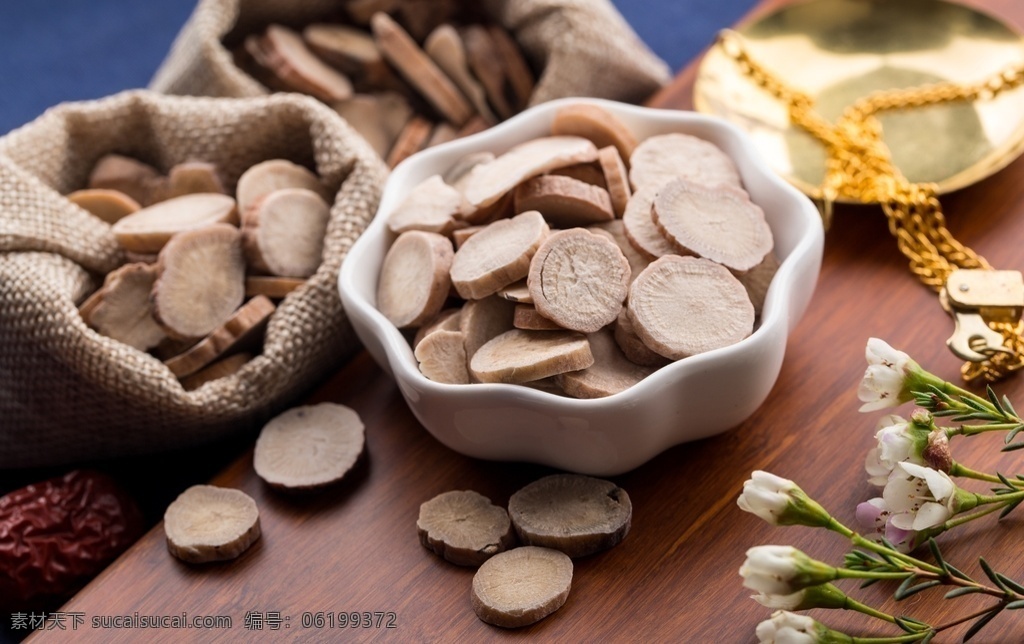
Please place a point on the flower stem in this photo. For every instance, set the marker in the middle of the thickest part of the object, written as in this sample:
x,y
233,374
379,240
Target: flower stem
x,y
849,573
966,518
1001,499
971,430
967,618
853,604
958,469
912,637
868,544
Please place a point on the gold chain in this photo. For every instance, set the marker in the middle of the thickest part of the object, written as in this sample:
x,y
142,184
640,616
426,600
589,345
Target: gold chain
x,y
859,167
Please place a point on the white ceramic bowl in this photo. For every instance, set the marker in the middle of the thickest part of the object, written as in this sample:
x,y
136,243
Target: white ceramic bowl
x,y
689,399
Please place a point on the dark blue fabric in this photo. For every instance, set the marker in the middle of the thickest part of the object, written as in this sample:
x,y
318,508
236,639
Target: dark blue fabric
x,y
60,50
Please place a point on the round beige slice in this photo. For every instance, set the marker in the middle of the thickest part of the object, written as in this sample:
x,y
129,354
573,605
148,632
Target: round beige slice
x,y
758,279
632,346
121,309
414,278
616,231
659,159
353,51
194,177
201,281
442,357
576,514
276,288
579,280
446,320
455,175
283,52
527,318
521,586
127,175
597,124
446,49
682,306
611,372
207,523
242,330
639,225
109,205
498,255
488,182
147,230
309,447
464,527
485,319
399,49
565,202
283,233
276,174
518,293
432,205
519,356
716,222
616,178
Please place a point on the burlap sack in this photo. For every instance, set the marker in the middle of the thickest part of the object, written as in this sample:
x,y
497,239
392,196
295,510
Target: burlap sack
x,y
69,394
584,47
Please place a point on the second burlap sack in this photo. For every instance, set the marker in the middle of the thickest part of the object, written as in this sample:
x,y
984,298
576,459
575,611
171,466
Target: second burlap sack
x,y
69,394
581,47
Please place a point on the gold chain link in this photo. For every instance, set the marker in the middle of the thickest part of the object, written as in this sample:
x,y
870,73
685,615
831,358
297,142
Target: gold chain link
x,y
859,167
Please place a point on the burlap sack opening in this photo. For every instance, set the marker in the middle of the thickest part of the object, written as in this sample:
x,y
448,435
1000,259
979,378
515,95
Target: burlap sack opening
x,y
69,394
583,47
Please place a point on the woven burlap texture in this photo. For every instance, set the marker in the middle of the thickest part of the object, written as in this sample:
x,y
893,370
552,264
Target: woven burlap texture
x,y
69,394
584,47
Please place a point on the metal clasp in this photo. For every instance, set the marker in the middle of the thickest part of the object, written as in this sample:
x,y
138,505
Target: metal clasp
x,y
975,297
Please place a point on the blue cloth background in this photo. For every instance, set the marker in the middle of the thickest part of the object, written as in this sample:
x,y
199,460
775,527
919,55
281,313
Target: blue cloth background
x,y
62,50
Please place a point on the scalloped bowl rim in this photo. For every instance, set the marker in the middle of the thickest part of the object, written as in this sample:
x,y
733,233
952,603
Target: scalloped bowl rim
x,y
400,360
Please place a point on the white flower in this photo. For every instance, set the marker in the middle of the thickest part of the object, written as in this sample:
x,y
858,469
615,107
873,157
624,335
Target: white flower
x,y
876,517
788,628
766,495
792,601
919,497
884,379
895,444
782,570
770,569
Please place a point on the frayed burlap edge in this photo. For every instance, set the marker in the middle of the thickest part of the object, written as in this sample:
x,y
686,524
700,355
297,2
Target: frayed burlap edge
x,y
68,394
583,47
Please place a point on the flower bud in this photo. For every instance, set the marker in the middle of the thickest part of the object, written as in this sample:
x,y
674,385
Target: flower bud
x,y
936,454
790,628
783,570
780,501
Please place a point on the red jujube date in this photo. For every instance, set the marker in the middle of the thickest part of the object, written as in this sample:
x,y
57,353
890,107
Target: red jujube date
x,y
56,535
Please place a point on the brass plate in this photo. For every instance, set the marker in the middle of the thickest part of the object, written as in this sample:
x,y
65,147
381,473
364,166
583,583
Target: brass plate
x,y
840,50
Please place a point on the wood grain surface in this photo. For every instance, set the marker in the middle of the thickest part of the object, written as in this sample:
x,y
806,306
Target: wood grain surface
x,y
674,578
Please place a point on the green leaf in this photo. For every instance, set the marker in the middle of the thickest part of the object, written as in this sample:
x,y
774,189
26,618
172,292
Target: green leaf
x,y
980,624
934,547
1015,605
1008,509
1005,481
991,574
1012,434
868,582
994,399
908,624
929,637
1013,447
905,590
1007,404
1011,584
957,572
960,592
